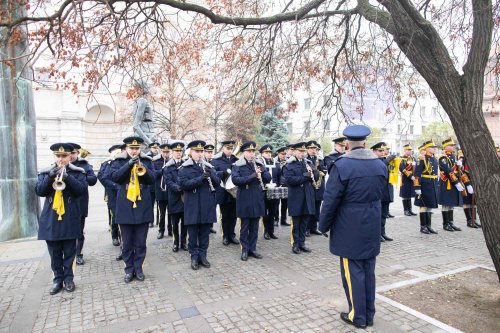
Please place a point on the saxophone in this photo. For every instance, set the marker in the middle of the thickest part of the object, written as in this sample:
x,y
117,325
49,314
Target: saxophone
x,y
317,184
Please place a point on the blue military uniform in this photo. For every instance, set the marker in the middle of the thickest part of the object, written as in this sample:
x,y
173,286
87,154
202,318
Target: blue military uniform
x,y
226,202
407,189
282,212
301,197
274,170
426,187
351,212
161,193
133,216
469,200
319,188
175,204
199,182
449,184
250,204
153,188
60,228
329,159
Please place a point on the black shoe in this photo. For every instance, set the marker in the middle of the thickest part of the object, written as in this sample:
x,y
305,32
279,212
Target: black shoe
x,y
212,231
407,213
119,257
308,233
432,231
478,224
234,241
305,249
175,248
244,255
448,227
140,276
412,214
296,249
424,230
285,224
256,255
69,286
128,277
455,227
316,232
225,241
116,242
370,324
344,316
387,238
169,234
266,236
56,287
194,264
204,262
151,225
273,236
79,260
471,225
184,247
390,216
382,239
160,235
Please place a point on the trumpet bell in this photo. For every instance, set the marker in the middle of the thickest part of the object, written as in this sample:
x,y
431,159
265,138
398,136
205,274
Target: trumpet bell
x,y
141,171
58,185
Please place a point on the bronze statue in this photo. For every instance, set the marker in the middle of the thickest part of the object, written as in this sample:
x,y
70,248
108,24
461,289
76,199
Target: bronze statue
x,y
143,124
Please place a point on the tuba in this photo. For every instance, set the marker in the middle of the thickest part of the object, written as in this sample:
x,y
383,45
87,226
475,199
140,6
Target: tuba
x,y
59,184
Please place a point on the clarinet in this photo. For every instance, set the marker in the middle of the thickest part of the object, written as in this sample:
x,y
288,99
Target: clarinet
x,y
260,179
309,169
163,186
212,188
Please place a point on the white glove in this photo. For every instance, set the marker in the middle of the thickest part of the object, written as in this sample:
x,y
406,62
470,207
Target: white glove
x,y
459,163
470,189
418,192
459,187
228,171
413,163
412,178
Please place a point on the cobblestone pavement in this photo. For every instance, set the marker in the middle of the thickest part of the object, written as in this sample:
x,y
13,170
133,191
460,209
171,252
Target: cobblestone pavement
x,y
281,293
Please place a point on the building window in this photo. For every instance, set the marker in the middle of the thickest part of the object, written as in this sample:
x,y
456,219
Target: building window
x,y
307,103
423,111
411,129
326,125
290,128
399,128
423,129
307,128
434,111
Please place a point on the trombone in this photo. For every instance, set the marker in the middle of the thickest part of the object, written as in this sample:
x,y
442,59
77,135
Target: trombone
x,y
59,184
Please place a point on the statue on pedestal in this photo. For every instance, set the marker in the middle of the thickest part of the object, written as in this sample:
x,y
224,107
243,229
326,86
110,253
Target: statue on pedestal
x,y
143,124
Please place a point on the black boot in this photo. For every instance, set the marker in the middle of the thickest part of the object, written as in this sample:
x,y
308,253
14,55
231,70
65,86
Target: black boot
x,y
428,222
423,224
450,221
405,207
169,225
446,221
410,208
474,215
468,216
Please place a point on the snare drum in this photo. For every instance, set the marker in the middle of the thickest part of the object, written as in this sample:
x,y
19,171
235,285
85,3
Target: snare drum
x,y
277,193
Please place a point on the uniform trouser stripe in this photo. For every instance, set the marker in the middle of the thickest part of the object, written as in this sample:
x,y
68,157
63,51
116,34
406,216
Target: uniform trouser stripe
x,y
349,286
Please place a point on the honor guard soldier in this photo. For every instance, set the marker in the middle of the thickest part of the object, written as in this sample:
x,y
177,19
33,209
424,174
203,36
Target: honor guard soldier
x,y
223,162
161,193
338,150
313,148
153,152
426,186
271,205
207,156
407,190
110,189
91,179
61,185
380,149
351,212
133,171
175,204
300,176
281,159
469,200
250,175
199,182
451,188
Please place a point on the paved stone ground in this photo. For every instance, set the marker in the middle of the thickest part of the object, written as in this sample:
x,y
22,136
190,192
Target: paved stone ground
x,y
281,293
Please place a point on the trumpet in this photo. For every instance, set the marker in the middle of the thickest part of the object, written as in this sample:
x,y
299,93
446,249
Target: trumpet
x,y
141,170
59,184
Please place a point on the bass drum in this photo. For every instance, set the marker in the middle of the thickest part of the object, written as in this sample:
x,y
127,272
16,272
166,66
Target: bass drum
x,y
230,187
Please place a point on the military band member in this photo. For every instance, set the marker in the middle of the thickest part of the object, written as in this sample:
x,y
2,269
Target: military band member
x,y
161,193
407,190
208,156
469,201
199,182
313,149
133,171
300,175
223,163
153,151
281,159
351,212
91,179
380,149
338,150
110,189
59,224
175,204
426,186
271,205
451,188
